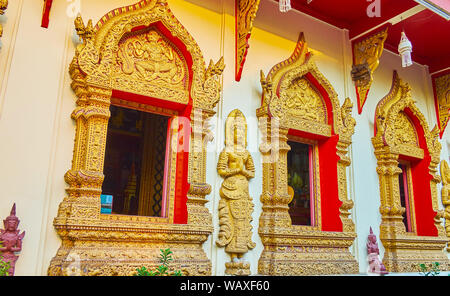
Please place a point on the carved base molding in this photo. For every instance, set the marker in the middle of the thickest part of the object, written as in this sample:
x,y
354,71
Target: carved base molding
x,y
237,268
108,251
313,253
405,254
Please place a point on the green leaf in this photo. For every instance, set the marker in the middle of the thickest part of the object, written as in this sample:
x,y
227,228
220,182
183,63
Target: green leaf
x,y
165,258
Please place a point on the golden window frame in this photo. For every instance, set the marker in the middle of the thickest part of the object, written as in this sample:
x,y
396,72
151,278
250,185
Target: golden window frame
x,y
301,250
404,251
118,245
410,196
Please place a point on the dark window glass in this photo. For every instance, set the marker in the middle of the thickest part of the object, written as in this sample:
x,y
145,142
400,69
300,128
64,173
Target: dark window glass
x,y
299,181
134,163
404,196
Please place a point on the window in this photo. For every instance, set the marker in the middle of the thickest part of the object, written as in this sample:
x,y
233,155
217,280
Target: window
x,y
134,163
301,183
405,195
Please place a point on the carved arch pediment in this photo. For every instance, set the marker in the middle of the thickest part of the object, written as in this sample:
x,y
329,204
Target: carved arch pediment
x,y
143,45
297,82
395,128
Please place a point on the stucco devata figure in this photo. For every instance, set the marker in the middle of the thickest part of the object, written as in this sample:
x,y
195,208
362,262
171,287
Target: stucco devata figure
x,y
11,239
235,207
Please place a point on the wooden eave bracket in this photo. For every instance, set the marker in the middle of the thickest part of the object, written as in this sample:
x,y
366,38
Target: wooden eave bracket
x,y
441,92
245,13
46,13
366,52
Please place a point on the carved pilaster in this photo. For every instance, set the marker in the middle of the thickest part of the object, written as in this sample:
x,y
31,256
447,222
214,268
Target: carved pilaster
x,y
347,128
390,209
86,175
347,204
200,136
275,197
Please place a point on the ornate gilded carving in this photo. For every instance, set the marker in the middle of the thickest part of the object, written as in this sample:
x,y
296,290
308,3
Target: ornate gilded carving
x,y
348,122
3,7
245,13
236,206
293,249
366,55
394,137
405,133
114,57
148,56
442,100
445,194
302,100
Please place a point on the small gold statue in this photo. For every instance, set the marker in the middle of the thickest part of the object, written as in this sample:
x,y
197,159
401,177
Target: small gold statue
x,y
235,207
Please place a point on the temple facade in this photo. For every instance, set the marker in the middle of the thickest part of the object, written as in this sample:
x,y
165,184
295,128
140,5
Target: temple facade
x,y
245,139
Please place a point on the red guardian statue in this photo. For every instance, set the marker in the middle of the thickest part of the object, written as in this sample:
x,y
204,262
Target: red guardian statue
x,y
375,264
11,240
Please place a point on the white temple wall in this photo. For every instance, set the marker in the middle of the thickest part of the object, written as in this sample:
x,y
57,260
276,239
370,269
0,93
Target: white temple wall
x,y
36,101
